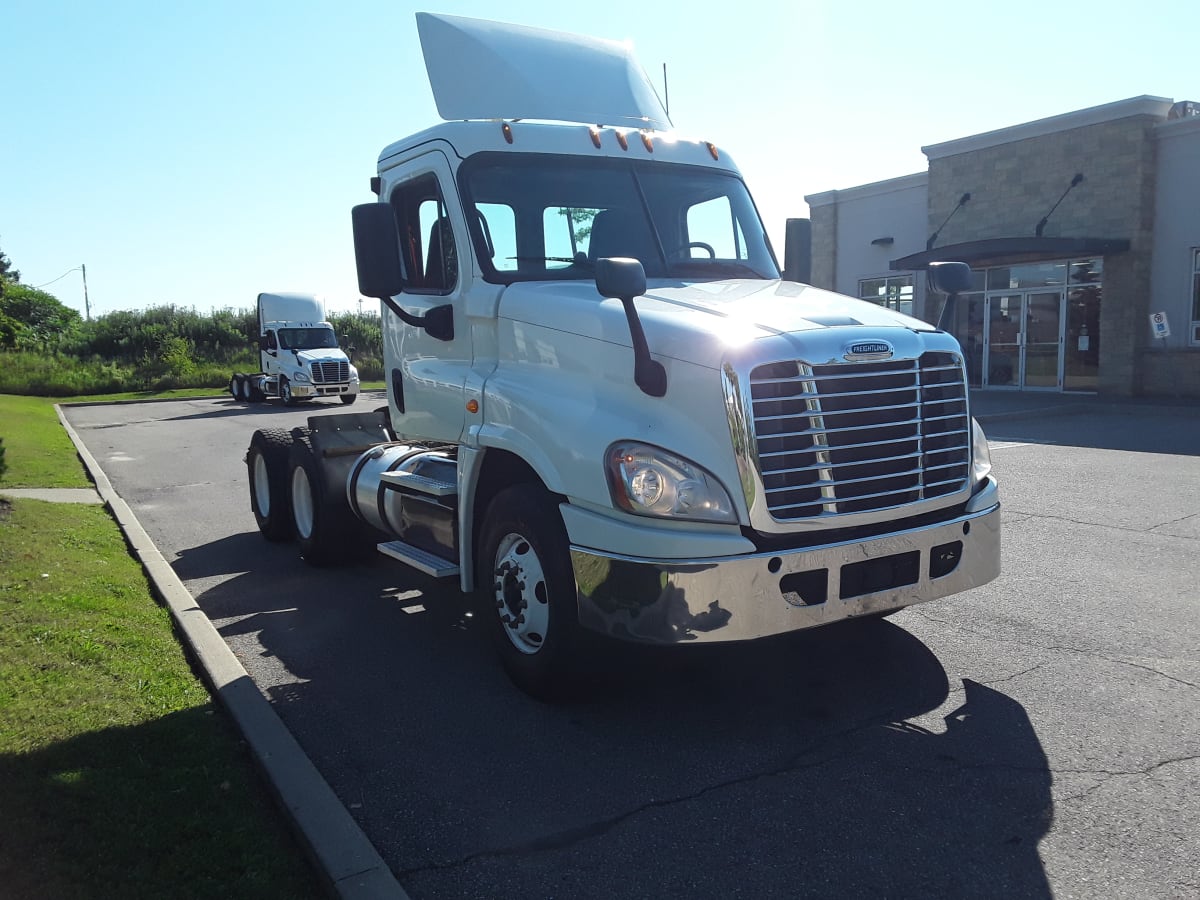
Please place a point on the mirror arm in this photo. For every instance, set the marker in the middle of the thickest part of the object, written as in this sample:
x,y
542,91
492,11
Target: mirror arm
x,y
648,373
439,321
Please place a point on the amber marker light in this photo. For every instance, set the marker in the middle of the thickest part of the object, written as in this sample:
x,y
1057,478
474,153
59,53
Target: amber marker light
x,y
595,133
649,143
472,406
712,149
507,129
622,140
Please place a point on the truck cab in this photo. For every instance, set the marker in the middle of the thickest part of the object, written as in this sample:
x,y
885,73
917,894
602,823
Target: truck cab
x,y
607,411
298,353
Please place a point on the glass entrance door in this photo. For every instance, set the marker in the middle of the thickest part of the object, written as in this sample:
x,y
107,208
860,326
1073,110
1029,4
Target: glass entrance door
x,y
1002,363
1024,340
1041,340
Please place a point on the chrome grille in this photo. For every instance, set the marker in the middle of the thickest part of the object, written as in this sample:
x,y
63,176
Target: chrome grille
x,y
330,372
855,437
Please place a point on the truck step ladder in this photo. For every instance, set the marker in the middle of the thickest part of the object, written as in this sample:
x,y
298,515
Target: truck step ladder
x,y
444,491
421,560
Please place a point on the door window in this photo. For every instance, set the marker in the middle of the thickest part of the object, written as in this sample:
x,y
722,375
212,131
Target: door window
x,y
429,257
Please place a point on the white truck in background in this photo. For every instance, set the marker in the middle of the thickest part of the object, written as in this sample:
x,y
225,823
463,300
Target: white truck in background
x,y
299,354
607,412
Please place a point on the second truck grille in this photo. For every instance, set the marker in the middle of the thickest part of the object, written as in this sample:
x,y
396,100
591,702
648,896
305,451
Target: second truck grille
x,y
855,437
330,372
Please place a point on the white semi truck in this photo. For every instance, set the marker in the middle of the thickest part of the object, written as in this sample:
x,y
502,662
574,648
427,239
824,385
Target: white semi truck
x,y
299,354
606,410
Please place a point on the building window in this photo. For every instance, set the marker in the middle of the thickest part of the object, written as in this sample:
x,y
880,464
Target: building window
x,y
894,292
1195,329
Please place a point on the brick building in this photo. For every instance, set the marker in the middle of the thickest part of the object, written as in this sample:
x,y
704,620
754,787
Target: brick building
x,y
1079,228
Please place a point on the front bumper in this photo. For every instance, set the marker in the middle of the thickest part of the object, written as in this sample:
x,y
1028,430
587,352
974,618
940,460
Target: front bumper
x,y
323,390
755,595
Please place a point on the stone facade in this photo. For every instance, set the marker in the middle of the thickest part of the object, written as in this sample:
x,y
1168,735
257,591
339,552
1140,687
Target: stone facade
x,y
1134,155
824,245
1014,184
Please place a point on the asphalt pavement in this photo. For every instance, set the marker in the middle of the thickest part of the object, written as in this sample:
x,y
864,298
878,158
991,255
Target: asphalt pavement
x,y
1035,737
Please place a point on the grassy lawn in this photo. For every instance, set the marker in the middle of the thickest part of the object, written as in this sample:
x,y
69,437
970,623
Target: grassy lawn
x,y
118,775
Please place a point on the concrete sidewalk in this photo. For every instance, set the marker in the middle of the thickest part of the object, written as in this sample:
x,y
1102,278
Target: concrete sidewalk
x,y
54,495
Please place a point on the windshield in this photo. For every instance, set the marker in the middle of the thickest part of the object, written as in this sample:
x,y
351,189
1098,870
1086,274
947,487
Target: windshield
x,y
307,338
541,217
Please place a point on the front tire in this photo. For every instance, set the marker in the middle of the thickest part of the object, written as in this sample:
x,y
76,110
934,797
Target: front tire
x,y
525,576
267,470
285,392
347,399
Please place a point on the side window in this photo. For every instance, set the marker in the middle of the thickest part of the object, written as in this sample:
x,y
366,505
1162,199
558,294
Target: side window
x,y
428,254
713,224
499,225
272,344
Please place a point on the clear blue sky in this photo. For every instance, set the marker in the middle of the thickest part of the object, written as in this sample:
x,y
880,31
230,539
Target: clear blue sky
x,y
198,153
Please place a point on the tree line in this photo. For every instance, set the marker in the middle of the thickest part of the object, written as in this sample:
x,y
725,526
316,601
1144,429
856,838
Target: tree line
x,y
48,348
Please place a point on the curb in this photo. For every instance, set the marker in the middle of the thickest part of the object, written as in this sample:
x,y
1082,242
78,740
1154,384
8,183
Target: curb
x,y
339,849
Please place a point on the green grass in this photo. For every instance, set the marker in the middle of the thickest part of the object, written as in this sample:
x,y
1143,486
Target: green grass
x,y
36,448
118,775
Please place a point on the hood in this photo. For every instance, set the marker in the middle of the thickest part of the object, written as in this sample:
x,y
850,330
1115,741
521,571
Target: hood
x,y
700,322
324,354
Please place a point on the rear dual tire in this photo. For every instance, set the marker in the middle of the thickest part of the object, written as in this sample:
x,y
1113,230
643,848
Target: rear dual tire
x,y
327,531
266,468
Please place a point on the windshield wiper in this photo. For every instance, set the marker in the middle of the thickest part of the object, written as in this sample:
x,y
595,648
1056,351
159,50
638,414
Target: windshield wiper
x,y
578,260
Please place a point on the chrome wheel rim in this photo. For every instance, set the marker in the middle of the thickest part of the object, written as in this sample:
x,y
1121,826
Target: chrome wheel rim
x,y
302,503
521,594
262,486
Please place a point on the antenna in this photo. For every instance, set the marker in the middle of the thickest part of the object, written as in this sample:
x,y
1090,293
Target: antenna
x,y
666,92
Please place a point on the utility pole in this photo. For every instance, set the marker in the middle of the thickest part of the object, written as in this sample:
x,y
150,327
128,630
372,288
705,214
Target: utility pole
x,y
87,307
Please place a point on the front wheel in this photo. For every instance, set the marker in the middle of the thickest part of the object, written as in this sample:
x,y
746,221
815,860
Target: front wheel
x,y
525,575
347,399
285,392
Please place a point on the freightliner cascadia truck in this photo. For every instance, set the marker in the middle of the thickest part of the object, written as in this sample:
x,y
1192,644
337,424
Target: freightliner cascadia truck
x,y
299,355
606,411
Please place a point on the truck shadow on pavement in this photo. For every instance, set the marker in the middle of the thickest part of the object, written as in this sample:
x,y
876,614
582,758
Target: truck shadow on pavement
x,y
837,762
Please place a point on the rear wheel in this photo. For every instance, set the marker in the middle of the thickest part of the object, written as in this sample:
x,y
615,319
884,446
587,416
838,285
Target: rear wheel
x,y
327,531
254,393
267,469
235,386
525,575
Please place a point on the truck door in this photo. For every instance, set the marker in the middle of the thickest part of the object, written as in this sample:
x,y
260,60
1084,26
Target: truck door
x,y
426,376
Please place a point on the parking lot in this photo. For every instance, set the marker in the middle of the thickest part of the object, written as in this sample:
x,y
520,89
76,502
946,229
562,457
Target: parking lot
x,y
1038,736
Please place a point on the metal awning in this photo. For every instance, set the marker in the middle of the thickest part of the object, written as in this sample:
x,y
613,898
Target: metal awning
x,y
1001,251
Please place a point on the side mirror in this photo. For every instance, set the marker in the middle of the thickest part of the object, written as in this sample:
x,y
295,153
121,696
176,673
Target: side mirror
x,y
262,343
797,251
619,278
949,278
377,250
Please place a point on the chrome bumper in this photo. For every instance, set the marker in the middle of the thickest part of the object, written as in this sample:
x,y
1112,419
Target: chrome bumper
x,y
745,597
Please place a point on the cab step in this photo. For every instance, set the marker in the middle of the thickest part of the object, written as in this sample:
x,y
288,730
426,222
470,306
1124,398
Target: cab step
x,y
421,560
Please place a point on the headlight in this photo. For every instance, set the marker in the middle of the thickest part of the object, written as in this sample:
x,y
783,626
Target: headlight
x,y
353,374
981,457
300,377
652,482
